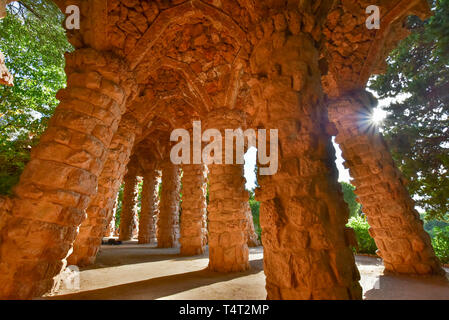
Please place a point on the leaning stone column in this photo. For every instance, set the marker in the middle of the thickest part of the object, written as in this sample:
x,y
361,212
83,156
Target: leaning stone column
x,y
193,216
129,205
136,226
396,227
110,226
101,208
302,212
251,235
227,219
149,207
168,222
62,175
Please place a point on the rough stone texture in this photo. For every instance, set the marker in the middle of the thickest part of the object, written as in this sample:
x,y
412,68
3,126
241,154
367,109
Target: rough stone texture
x,y
110,228
251,235
3,4
135,223
193,217
61,177
396,226
352,52
129,206
227,219
149,207
228,249
302,212
5,77
101,208
169,62
168,222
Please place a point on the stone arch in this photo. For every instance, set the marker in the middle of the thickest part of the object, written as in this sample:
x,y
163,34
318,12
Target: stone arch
x,y
178,14
190,78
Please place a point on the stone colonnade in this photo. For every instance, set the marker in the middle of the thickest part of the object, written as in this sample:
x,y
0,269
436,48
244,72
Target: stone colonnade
x,y
264,65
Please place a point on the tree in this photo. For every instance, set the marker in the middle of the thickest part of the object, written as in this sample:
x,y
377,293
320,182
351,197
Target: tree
x,y
34,42
350,197
417,128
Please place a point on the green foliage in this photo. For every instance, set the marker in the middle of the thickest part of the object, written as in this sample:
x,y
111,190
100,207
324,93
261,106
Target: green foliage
x,y
34,42
438,230
440,243
255,210
365,242
139,196
350,197
13,157
417,128
429,225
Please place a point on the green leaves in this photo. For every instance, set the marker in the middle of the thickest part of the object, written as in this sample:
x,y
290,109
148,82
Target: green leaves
x,y
440,243
34,42
417,128
350,197
365,242
255,210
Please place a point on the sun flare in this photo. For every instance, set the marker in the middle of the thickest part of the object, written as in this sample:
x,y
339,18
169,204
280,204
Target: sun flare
x,y
378,116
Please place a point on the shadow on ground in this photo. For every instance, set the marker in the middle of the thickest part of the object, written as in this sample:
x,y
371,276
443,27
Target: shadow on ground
x,y
162,286
394,287
132,271
132,253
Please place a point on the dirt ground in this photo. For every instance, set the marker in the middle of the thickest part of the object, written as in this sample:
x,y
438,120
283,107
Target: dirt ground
x,y
132,271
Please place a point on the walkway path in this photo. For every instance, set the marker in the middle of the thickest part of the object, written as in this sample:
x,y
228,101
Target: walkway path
x,y
131,271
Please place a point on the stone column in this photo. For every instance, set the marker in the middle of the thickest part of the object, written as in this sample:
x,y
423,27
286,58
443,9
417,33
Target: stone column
x,y
252,239
149,207
168,222
193,216
62,175
101,208
396,226
228,249
136,226
302,213
129,205
228,199
110,226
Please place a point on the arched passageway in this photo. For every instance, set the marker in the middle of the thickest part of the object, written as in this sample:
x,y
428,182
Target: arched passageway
x,y
157,66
